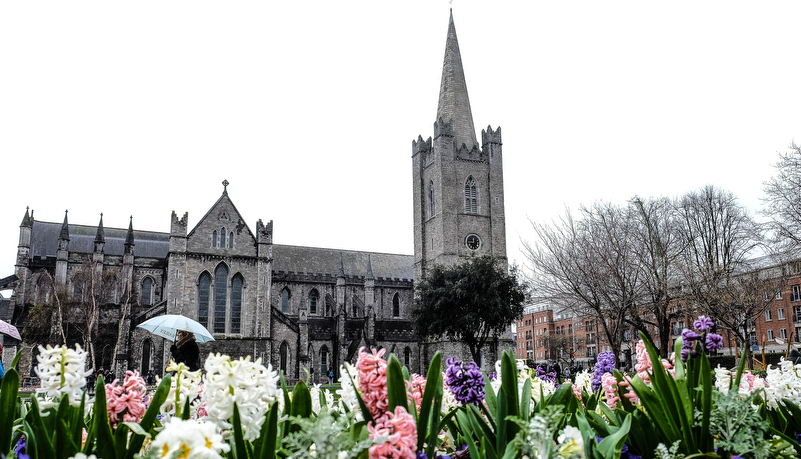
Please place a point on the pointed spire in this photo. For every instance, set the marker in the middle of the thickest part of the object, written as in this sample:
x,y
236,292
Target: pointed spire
x,y
100,236
129,238
369,268
341,272
26,220
65,229
454,105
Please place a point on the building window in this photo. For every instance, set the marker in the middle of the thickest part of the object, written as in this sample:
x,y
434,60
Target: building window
x,y
470,196
313,297
236,304
770,335
283,358
395,306
231,240
324,362
780,313
768,317
147,348
431,207
204,293
220,297
779,295
796,293
407,357
783,333
146,295
285,300
214,238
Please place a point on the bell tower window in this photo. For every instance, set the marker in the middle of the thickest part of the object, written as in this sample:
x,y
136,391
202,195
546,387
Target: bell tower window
x,y
471,196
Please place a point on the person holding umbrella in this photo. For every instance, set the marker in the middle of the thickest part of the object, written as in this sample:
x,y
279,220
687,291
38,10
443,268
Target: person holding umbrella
x,y
185,350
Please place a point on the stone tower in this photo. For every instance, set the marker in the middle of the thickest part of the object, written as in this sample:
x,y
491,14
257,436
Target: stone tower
x,y
458,184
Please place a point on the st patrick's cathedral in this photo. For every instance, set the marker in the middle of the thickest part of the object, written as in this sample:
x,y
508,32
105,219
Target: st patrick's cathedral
x,y
302,309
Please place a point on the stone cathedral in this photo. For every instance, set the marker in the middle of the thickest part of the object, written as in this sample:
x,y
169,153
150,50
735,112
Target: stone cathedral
x,y
299,308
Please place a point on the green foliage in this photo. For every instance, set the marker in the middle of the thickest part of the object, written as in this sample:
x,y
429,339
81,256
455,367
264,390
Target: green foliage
x,y
471,302
328,434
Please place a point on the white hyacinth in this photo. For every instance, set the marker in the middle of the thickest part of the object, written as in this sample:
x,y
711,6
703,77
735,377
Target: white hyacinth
x,y
62,372
251,385
584,380
192,438
347,391
723,379
184,385
783,382
315,391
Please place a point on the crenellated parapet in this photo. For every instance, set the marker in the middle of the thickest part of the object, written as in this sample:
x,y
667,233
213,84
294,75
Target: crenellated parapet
x,y
443,128
421,146
178,227
489,136
264,233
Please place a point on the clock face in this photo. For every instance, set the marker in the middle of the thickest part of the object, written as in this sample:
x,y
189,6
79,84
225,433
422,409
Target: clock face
x,y
472,242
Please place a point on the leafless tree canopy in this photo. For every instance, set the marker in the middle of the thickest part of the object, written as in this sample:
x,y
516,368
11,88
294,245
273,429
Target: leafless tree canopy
x,y
783,199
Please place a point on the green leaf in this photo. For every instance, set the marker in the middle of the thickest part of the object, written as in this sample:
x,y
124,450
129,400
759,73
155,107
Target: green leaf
x,y
8,408
427,415
611,445
396,385
525,400
740,369
44,445
269,439
159,397
239,449
136,428
509,384
105,441
65,446
301,401
503,436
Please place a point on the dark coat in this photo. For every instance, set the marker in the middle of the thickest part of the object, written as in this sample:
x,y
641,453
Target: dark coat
x,y
188,354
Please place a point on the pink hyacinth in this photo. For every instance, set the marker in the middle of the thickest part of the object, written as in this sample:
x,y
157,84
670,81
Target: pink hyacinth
x,y
401,432
125,401
372,370
418,387
609,385
644,364
629,394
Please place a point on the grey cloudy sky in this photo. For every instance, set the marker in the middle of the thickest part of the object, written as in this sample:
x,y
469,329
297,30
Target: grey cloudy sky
x,y
309,108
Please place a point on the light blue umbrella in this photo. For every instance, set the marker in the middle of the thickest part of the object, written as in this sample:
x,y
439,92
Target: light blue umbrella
x,y
167,326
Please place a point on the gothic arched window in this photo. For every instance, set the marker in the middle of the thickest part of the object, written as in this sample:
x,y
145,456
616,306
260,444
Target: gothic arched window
x,y
146,295
395,306
285,300
283,357
313,297
236,304
222,238
470,196
203,295
147,352
324,362
214,239
407,357
431,207
231,240
220,297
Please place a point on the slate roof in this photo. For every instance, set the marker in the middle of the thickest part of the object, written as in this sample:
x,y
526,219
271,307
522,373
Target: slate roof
x,y
314,260
148,244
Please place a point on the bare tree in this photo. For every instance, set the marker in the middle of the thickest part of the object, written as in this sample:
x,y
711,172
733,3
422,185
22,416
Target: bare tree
x,y
725,271
658,247
783,199
587,266
92,288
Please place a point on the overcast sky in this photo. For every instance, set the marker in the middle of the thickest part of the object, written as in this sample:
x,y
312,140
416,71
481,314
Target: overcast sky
x,y
309,108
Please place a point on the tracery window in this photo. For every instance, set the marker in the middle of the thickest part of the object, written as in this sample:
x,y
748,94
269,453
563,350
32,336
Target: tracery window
x,y
313,297
236,304
395,306
204,293
146,294
471,196
220,297
285,300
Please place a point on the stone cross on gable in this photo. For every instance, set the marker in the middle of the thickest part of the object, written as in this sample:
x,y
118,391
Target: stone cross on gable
x,y
225,186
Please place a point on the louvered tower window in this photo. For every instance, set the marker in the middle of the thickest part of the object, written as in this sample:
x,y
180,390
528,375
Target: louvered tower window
x,y
470,196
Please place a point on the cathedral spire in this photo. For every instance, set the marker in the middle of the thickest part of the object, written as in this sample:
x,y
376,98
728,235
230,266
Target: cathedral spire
x,y
65,229
26,220
129,238
100,236
454,104
369,268
341,272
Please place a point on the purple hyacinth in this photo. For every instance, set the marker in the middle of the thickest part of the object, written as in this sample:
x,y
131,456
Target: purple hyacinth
x,y
421,455
703,333
704,324
19,448
605,364
492,376
465,380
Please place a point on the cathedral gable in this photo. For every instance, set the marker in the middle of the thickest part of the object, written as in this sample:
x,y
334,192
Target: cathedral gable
x,y
222,231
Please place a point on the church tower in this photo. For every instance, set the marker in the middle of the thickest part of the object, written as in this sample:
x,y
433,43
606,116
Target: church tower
x,y
458,184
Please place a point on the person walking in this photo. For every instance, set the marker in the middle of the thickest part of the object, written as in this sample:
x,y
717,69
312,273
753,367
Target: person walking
x,y
185,350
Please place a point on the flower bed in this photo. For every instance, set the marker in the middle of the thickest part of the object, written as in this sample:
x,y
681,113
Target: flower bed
x,y
242,409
